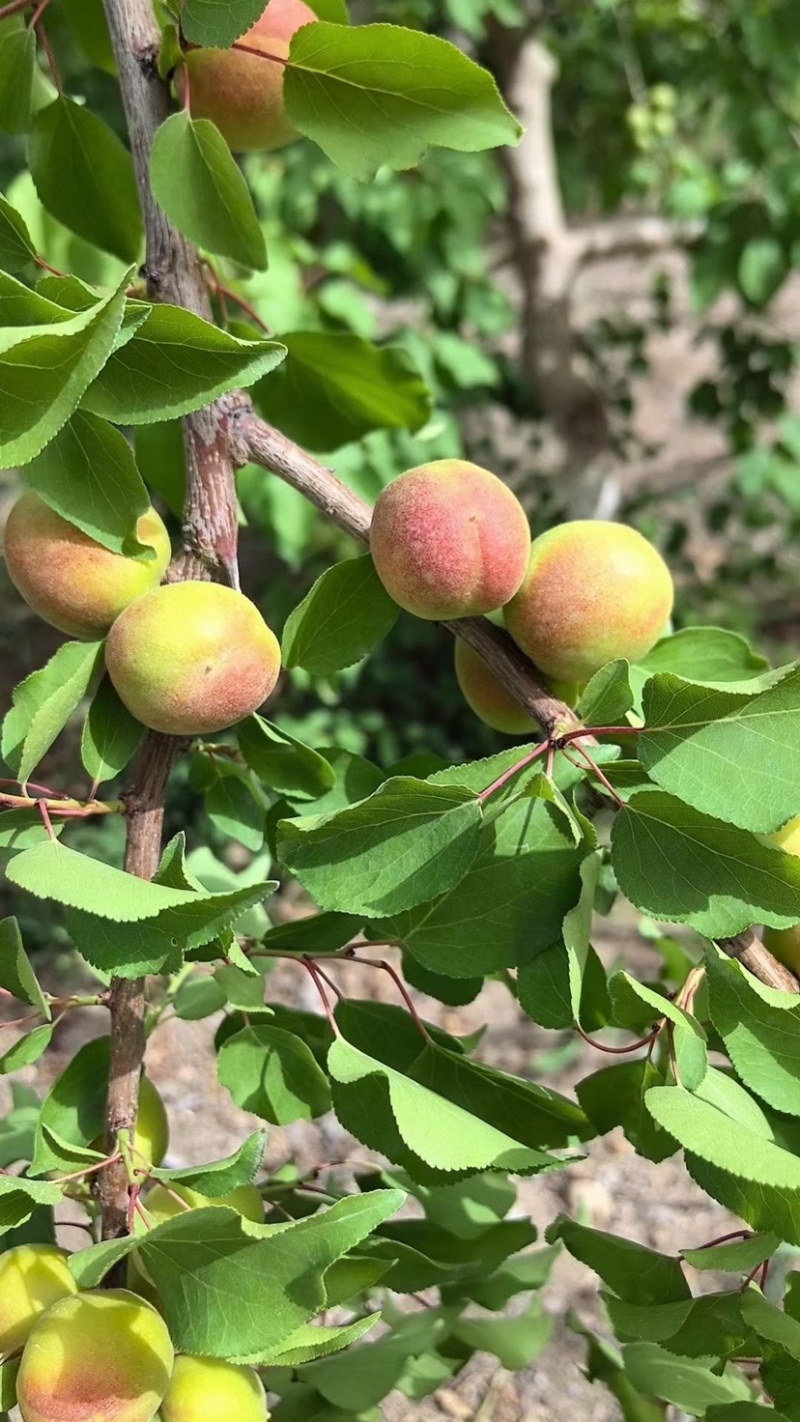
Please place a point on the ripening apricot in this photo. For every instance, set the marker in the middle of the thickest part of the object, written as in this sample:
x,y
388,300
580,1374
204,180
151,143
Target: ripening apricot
x,y
151,1136
594,591
161,1203
785,942
242,93
209,1389
104,1356
191,658
68,579
448,539
485,693
32,1277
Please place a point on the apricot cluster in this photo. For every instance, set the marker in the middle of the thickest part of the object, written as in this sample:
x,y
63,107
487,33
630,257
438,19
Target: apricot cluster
x,y
186,659
105,1355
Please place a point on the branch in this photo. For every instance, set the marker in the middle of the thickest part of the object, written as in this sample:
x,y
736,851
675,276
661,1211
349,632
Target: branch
x,y
752,954
255,441
174,274
638,235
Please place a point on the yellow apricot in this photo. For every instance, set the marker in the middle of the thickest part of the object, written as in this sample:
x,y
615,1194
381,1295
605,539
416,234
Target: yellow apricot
x,y
448,539
787,837
67,578
594,591
192,658
32,1277
241,92
161,1203
104,1356
151,1136
784,943
210,1389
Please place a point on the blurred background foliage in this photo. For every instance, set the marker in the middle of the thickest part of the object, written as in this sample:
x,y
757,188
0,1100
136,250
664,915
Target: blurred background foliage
x,y
686,111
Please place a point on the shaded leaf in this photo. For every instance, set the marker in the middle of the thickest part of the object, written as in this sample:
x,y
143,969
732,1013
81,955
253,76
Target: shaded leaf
x,y
202,191
84,177
346,613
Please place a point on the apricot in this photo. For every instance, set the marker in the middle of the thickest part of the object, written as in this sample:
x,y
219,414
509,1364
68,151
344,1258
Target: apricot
x,y
151,1134
448,539
488,698
32,1277
161,1203
104,1356
785,942
71,581
191,658
594,591
242,93
208,1389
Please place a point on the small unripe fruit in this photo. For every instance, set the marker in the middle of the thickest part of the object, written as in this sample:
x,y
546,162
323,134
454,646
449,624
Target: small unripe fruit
x,y
161,1203
242,93
32,1277
448,539
209,1389
594,591
486,695
69,580
96,1357
192,658
784,943
151,1136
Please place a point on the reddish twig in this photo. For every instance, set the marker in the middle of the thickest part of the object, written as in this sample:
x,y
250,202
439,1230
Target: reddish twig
x,y
313,973
513,770
620,1051
49,56
260,53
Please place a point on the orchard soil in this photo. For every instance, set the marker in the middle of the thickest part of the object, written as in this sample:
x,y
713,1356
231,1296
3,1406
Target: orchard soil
x,y
612,1188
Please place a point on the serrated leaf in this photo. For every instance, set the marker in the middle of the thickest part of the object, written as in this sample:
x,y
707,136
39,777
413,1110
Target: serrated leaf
x,y
379,94
607,697
321,933
202,191
687,1384
218,22
220,1177
88,475
84,177
20,1196
615,1096
381,1363
234,1289
176,363
387,853
629,997
43,703
110,736
315,1341
17,70
515,1342
510,904
16,974
16,246
234,808
743,1170
43,377
634,1272
334,388
52,871
736,1257
728,754
282,762
273,1074
27,1050
346,613
680,865
707,655
761,1040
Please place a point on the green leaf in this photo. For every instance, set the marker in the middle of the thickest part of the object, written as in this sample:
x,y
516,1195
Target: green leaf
x,y
16,247
273,1074
615,1096
380,1363
84,177
515,1342
629,997
320,933
510,904
233,806
17,71
769,1322
635,1273
741,1168
8,1385
281,762
87,22
686,1384
16,974
220,1177
680,865
316,1341
43,703
737,1257
19,1197
379,94
218,22
42,377
199,997
110,735
51,871
607,697
232,1289
346,614
387,853
763,267
27,1050
160,453
176,363
761,1040
728,754
88,475
334,388
197,183
21,829
707,655
743,1412
354,779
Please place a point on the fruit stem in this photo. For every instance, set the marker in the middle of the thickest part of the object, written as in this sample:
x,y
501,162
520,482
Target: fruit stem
x,y
621,1051
260,53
